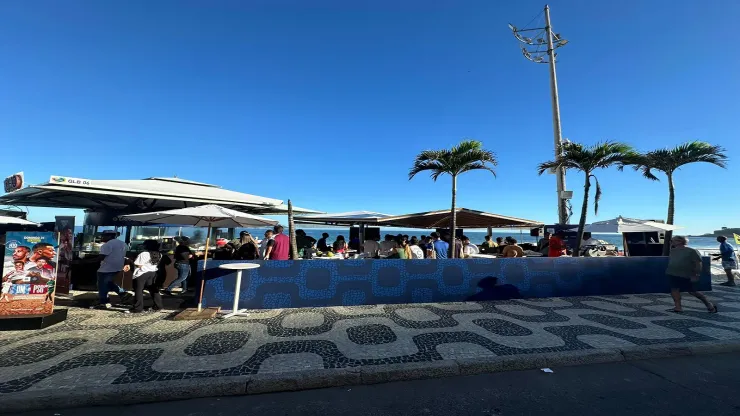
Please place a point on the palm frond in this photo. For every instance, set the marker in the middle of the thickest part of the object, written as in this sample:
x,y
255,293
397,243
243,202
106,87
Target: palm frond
x,y
478,166
436,168
466,156
597,195
669,160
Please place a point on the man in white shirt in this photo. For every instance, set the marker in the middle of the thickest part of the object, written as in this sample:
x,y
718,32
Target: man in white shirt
x,y
469,248
113,260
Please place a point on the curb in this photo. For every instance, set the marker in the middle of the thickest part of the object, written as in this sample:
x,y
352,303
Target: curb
x,y
157,391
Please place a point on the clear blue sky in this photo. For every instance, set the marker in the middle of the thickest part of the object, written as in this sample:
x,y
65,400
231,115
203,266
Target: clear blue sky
x,y
328,102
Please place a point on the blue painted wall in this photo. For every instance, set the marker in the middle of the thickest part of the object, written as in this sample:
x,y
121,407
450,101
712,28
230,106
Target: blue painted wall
x,y
282,284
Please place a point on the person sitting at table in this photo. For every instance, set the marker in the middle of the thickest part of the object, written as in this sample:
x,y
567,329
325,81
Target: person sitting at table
x,y
489,243
468,248
340,245
543,246
511,249
321,245
225,252
557,246
303,241
500,244
403,251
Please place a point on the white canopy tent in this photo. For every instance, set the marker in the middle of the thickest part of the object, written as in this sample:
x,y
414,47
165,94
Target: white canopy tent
x,y
15,221
622,225
150,194
343,218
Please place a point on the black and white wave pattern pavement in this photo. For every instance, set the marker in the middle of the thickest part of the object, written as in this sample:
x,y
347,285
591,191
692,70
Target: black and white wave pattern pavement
x,y
103,347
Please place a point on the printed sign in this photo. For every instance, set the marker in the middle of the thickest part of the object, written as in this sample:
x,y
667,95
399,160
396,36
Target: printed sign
x,y
13,182
65,227
69,181
29,273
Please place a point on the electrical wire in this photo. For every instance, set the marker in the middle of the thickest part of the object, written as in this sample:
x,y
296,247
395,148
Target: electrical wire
x,y
530,22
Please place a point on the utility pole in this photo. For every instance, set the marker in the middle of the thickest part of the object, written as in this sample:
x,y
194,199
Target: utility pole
x,y
535,53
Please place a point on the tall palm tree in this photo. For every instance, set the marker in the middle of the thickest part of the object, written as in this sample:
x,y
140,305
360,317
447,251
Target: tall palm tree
x,y
466,156
587,159
670,160
291,233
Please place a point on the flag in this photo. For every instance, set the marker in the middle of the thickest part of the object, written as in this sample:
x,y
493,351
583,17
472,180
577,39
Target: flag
x,y
737,238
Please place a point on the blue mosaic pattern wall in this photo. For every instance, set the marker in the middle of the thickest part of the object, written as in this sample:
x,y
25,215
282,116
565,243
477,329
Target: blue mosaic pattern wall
x,y
286,284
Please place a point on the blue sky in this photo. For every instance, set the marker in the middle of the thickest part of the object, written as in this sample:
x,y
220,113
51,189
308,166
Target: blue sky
x,y
328,102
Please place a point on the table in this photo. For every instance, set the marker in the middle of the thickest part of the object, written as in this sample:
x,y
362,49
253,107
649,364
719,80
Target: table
x,y
238,267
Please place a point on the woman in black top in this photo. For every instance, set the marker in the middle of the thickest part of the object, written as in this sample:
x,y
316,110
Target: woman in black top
x,y
249,249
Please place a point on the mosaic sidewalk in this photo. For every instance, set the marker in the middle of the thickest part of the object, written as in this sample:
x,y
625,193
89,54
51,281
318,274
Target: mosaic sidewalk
x,y
95,349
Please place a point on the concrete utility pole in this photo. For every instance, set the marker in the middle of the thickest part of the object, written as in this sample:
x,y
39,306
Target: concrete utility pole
x,y
537,54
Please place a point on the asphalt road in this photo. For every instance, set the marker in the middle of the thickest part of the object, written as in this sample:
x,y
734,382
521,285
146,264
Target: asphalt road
x,y
700,385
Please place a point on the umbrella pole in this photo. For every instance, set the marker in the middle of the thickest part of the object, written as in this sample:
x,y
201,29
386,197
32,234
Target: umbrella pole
x,y
203,274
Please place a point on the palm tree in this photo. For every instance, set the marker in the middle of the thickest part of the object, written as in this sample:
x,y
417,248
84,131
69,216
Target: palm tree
x,y
291,233
466,156
670,160
587,159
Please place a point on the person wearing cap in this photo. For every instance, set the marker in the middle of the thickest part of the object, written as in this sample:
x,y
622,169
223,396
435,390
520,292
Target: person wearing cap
x,y
183,254
112,260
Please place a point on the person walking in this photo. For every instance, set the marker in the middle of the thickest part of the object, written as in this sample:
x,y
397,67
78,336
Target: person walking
x,y
684,269
145,276
112,260
729,260
183,254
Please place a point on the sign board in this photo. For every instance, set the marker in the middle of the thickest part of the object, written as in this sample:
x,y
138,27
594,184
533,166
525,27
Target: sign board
x,y
63,180
29,274
65,227
13,182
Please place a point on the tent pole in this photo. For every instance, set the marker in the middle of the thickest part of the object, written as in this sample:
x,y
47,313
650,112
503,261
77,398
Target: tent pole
x,y
203,274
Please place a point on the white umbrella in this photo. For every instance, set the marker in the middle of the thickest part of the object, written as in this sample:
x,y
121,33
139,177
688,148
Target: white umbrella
x,y
16,221
203,216
628,225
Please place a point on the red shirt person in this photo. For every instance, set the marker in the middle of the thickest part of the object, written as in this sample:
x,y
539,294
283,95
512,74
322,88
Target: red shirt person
x,y
281,247
557,245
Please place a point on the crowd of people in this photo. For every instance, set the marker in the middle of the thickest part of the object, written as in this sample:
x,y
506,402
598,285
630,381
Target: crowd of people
x,y
149,274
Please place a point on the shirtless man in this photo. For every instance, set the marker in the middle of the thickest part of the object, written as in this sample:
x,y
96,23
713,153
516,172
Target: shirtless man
x,y
40,250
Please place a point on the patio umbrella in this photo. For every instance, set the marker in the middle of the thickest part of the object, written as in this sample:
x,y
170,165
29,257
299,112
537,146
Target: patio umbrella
x,y
203,216
16,221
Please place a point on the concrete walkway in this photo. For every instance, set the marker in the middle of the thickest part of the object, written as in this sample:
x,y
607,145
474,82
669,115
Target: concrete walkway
x,y
702,385
106,357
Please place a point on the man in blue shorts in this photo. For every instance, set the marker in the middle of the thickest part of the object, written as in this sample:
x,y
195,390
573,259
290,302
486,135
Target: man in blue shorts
x,y
729,260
